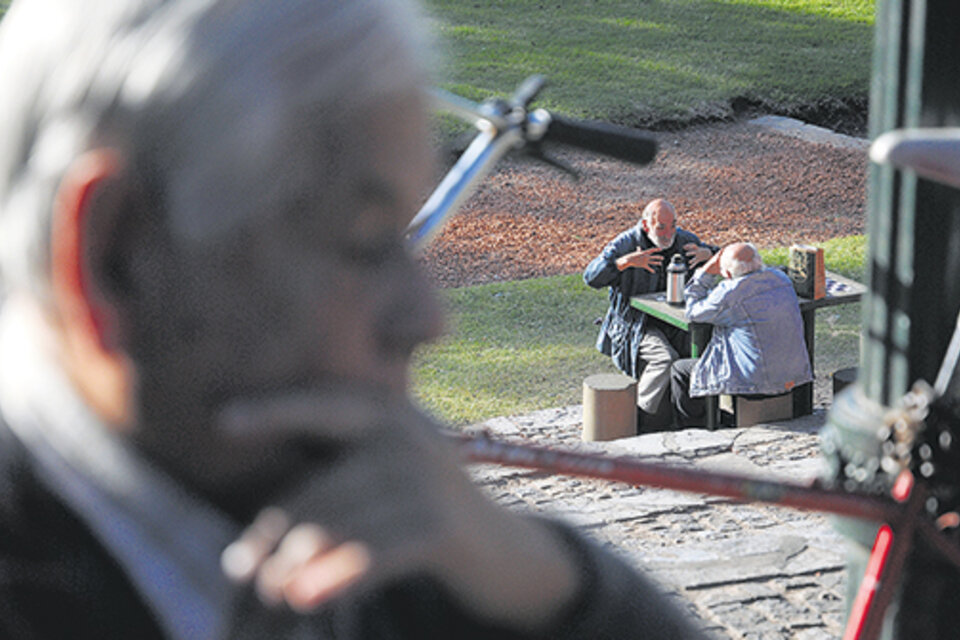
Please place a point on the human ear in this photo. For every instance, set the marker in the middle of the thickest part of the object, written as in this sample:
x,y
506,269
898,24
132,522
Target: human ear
x,y
82,217
88,315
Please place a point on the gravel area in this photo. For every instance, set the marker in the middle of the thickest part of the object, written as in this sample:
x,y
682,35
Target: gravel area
x,y
729,181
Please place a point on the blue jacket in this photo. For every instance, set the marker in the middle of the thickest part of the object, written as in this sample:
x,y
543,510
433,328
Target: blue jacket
x,y
757,345
623,325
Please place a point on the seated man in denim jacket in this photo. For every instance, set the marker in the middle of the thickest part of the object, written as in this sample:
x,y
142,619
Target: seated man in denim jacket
x,y
757,345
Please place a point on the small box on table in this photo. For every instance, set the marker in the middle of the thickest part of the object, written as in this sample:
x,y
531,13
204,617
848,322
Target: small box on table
x,y
807,271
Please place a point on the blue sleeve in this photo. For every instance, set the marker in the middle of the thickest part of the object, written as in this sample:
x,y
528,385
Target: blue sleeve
x,y
708,303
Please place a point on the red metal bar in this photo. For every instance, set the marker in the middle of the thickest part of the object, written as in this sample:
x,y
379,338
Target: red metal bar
x,y
869,584
887,578
938,540
636,472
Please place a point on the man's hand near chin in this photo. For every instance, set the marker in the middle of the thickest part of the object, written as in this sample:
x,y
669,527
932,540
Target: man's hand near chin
x,y
392,501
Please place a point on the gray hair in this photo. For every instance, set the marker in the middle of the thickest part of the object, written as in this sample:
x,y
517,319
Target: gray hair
x,y
737,267
207,99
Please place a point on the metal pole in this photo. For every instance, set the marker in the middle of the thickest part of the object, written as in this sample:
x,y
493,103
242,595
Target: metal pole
x,y
654,474
913,288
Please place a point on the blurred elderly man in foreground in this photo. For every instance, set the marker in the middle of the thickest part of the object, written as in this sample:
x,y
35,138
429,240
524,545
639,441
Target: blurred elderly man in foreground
x,y
204,350
757,347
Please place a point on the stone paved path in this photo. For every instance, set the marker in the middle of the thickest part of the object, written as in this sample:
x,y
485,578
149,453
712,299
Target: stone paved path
x,y
746,571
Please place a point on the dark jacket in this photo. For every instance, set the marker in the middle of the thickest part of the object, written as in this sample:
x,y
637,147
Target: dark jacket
x,y
58,582
623,326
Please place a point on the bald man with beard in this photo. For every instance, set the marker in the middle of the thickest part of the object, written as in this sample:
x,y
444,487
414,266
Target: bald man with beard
x,y
640,345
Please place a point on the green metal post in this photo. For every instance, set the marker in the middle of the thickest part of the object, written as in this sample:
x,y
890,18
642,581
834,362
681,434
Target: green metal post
x,y
914,226
914,285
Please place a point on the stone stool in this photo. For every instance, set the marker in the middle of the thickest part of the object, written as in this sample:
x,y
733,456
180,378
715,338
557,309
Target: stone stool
x,y
842,378
609,406
750,411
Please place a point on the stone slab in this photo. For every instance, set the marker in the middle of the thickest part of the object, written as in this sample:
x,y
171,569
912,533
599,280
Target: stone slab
x,y
809,132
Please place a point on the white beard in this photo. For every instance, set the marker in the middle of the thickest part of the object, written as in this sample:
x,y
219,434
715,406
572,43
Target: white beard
x,y
661,245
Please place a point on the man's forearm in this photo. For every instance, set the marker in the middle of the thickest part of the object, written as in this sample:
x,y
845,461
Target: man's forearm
x,y
696,292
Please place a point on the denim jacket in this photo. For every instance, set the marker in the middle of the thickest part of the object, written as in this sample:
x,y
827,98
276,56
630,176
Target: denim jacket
x,y
758,345
623,325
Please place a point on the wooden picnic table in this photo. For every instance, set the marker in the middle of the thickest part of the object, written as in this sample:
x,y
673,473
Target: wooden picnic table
x,y
840,290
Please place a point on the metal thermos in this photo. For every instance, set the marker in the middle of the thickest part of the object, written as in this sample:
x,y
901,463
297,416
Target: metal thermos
x,y
676,278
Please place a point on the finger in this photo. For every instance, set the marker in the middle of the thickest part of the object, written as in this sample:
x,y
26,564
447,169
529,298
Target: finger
x,y
652,262
241,559
326,576
302,544
335,412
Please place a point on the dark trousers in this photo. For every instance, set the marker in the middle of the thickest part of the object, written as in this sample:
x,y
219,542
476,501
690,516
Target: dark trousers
x,y
687,411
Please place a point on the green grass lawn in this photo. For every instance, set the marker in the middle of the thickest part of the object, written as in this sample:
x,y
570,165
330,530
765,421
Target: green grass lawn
x,y
515,347
642,61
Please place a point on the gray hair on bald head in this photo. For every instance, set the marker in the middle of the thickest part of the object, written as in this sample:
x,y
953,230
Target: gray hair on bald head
x,y
209,100
741,261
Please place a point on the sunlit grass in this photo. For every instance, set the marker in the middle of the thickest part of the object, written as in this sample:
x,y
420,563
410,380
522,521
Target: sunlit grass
x,y
638,61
